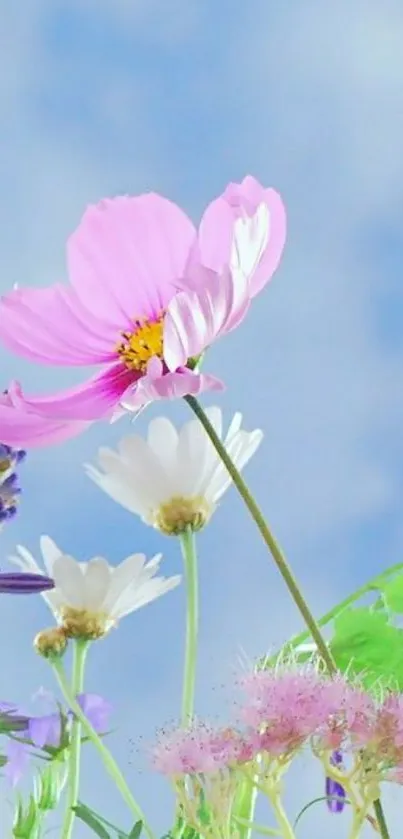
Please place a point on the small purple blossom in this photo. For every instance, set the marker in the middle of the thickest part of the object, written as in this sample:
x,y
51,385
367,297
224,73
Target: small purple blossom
x,y
16,582
335,792
46,731
9,487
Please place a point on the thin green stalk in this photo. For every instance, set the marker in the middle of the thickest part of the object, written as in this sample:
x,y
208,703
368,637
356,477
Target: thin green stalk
x,y
373,585
258,828
279,559
109,762
188,546
73,783
267,535
380,817
285,826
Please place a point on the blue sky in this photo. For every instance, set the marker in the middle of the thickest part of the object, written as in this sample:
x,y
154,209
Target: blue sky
x,y
102,97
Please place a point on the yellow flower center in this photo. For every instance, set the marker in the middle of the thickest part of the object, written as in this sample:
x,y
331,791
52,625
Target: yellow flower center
x,y
142,344
176,515
81,623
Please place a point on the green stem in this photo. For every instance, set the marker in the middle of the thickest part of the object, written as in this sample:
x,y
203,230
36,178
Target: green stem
x,y
286,830
258,828
77,683
373,585
109,762
380,817
267,535
279,559
188,546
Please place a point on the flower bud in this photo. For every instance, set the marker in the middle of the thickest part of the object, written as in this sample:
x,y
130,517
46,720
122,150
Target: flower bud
x,y
27,823
51,643
50,784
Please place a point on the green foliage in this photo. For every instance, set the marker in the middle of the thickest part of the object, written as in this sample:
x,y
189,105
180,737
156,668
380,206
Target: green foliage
x,y
393,594
367,641
26,821
136,831
387,580
98,824
91,820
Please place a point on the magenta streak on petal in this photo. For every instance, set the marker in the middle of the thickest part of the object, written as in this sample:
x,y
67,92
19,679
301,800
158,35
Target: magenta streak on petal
x,y
94,399
20,426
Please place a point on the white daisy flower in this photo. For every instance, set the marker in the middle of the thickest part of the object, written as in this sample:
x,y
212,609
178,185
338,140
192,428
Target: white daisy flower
x,y
173,480
90,598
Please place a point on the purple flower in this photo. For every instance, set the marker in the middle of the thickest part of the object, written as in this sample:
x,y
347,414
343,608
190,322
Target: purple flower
x,y
16,582
335,792
46,731
9,487
17,761
96,709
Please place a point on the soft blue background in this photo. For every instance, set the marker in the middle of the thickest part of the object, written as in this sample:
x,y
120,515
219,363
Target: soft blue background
x,y
182,96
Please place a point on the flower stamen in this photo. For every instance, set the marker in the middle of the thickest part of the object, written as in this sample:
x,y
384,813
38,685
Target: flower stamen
x,y
143,343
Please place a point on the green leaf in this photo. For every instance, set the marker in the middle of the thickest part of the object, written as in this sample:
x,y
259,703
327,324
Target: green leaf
x,y
365,643
393,594
91,820
136,830
376,584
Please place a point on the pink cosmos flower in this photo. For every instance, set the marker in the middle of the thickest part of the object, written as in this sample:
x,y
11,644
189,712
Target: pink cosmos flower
x,y
22,426
148,293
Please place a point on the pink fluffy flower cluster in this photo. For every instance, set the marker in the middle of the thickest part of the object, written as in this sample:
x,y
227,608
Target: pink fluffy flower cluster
x,y
284,711
148,294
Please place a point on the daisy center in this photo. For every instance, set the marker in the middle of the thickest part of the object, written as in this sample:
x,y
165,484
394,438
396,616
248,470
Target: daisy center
x,y
141,344
176,515
82,623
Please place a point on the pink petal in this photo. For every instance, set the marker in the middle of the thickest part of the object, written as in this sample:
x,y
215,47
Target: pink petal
x,y
94,399
196,318
49,325
25,429
126,256
216,228
159,385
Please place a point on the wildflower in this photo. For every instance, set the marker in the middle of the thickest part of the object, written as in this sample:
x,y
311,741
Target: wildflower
x,y
90,598
335,792
21,425
148,294
286,706
210,760
51,732
173,480
9,487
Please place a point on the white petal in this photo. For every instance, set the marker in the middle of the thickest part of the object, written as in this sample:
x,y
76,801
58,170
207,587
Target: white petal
x,y
120,486
234,426
251,235
162,439
153,589
50,552
194,458
141,461
69,579
123,576
96,580
25,561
